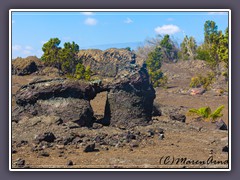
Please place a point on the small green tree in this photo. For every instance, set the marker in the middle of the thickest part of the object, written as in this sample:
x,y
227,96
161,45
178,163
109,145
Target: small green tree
x,y
69,58
188,48
214,56
211,44
50,55
168,48
210,32
223,50
154,60
154,63
215,48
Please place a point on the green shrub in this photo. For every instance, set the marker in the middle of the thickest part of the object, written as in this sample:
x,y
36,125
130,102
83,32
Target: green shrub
x,y
163,81
204,81
83,73
87,73
225,74
79,72
202,53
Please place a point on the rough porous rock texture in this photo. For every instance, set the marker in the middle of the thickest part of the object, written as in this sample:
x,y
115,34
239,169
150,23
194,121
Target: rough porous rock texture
x,y
26,66
130,95
53,88
70,100
67,109
108,63
49,71
130,101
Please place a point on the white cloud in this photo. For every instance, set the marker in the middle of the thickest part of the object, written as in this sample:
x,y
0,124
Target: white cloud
x,y
128,21
218,13
16,47
87,13
90,21
28,48
22,51
167,29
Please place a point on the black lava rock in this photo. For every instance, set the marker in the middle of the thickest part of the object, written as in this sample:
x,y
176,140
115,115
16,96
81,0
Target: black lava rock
x,y
221,125
47,136
178,117
70,163
225,149
20,163
90,148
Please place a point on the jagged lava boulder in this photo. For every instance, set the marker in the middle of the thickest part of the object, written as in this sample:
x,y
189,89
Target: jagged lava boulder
x,y
107,63
130,101
52,88
68,99
26,66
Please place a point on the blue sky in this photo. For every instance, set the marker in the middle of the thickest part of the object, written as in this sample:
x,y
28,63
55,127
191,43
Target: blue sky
x,y
30,30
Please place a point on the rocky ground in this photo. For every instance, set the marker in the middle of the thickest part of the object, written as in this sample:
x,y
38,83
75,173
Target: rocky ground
x,y
48,142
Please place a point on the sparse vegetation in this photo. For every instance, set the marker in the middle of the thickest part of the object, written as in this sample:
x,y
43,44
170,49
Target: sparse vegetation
x,y
215,47
204,81
167,46
206,113
217,113
68,57
87,74
164,50
202,53
169,49
188,48
82,72
154,63
128,48
223,51
65,59
50,55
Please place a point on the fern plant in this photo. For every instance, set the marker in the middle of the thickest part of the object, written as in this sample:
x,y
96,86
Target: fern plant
x,y
206,113
203,112
217,113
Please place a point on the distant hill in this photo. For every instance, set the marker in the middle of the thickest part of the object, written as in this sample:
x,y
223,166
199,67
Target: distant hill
x,y
132,45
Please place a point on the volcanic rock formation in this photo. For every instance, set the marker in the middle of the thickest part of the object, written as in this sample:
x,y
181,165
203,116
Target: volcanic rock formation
x,y
129,100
